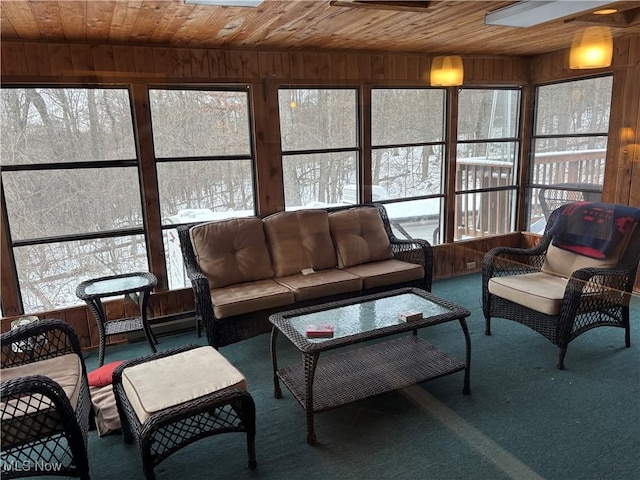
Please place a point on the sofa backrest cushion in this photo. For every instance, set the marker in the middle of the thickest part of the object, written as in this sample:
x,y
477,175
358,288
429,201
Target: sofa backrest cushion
x,y
299,240
231,251
359,236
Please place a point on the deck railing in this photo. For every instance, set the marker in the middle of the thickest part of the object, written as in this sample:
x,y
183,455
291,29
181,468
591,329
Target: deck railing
x,y
491,213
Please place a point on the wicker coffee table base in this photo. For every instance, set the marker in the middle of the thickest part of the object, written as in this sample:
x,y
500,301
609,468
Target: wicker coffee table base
x,y
357,374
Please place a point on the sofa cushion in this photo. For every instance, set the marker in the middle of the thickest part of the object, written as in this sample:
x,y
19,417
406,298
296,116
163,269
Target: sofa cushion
x,y
299,240
231,251
359,236
175,379
538,291
249,297
386,272
321,283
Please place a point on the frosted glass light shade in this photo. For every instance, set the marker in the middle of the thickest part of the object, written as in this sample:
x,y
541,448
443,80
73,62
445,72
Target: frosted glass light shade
x,y
591,48
447,71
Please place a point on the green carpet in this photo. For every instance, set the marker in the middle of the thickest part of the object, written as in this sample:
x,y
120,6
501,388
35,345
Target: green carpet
x,y
524,418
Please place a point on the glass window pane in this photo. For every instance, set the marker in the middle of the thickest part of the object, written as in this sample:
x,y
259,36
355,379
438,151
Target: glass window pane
x,y
417,219
200,123
582,106
318,119
192,191
486,114
573,160
46,203
408,171
404,116
484,214
318,180
51,125
486,165
49,274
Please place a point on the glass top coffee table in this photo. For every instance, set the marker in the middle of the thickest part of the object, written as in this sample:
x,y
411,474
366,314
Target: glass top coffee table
x,y
345,377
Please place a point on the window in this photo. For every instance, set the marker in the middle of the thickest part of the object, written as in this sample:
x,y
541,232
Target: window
x,y
569,145
204,154
407,160
486,163
320,150
70,180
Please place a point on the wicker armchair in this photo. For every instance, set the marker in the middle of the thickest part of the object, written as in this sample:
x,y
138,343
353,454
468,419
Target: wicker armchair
x,y
44,421
595,294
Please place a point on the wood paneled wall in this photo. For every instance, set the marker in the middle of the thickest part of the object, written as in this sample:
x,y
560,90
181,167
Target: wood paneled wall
x,y
98,63
138,66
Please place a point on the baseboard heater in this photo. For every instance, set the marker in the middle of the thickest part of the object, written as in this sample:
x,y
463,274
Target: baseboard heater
x,y
166,325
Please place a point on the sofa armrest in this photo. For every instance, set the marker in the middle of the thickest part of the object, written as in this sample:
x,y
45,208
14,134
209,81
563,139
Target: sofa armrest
x,y
41,340
200,285
415,250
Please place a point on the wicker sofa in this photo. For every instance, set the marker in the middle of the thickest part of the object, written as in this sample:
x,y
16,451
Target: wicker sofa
x,y
244,269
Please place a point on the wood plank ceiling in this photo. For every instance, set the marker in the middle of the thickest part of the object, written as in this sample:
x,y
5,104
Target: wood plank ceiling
x,y
449,27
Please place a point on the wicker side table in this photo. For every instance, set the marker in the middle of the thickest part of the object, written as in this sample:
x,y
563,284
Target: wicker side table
x,y
160,407
137,284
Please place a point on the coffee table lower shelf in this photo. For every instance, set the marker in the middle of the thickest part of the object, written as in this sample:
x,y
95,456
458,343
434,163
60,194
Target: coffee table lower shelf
x,y
364,372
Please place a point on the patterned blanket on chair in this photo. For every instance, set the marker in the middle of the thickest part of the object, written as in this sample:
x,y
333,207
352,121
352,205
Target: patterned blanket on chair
x,y
592,229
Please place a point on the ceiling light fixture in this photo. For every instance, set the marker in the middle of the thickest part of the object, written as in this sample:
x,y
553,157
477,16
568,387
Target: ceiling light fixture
x,y
591,48
605,11
527,13
447,71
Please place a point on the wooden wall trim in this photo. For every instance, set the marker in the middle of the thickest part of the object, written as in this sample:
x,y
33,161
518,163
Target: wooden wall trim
x,y
9,290
149,183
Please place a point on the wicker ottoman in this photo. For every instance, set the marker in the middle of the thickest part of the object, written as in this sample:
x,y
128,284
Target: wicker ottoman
x,y
170,399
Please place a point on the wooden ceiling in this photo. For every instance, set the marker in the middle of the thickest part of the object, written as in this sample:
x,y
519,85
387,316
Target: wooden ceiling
x,y
453,27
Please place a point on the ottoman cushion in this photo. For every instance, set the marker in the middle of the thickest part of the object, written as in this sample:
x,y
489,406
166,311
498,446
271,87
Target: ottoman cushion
x,y
169,381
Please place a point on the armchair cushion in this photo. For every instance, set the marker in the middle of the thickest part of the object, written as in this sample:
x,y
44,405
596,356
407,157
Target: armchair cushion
x,y
563,262
299,240
231,251
66,370
359,236
539,291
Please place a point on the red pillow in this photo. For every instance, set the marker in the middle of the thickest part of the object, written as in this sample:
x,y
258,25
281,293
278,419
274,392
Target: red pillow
x,y
104,375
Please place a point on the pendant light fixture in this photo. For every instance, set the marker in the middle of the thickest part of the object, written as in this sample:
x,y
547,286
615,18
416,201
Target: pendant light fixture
x,y
591,48
447,71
